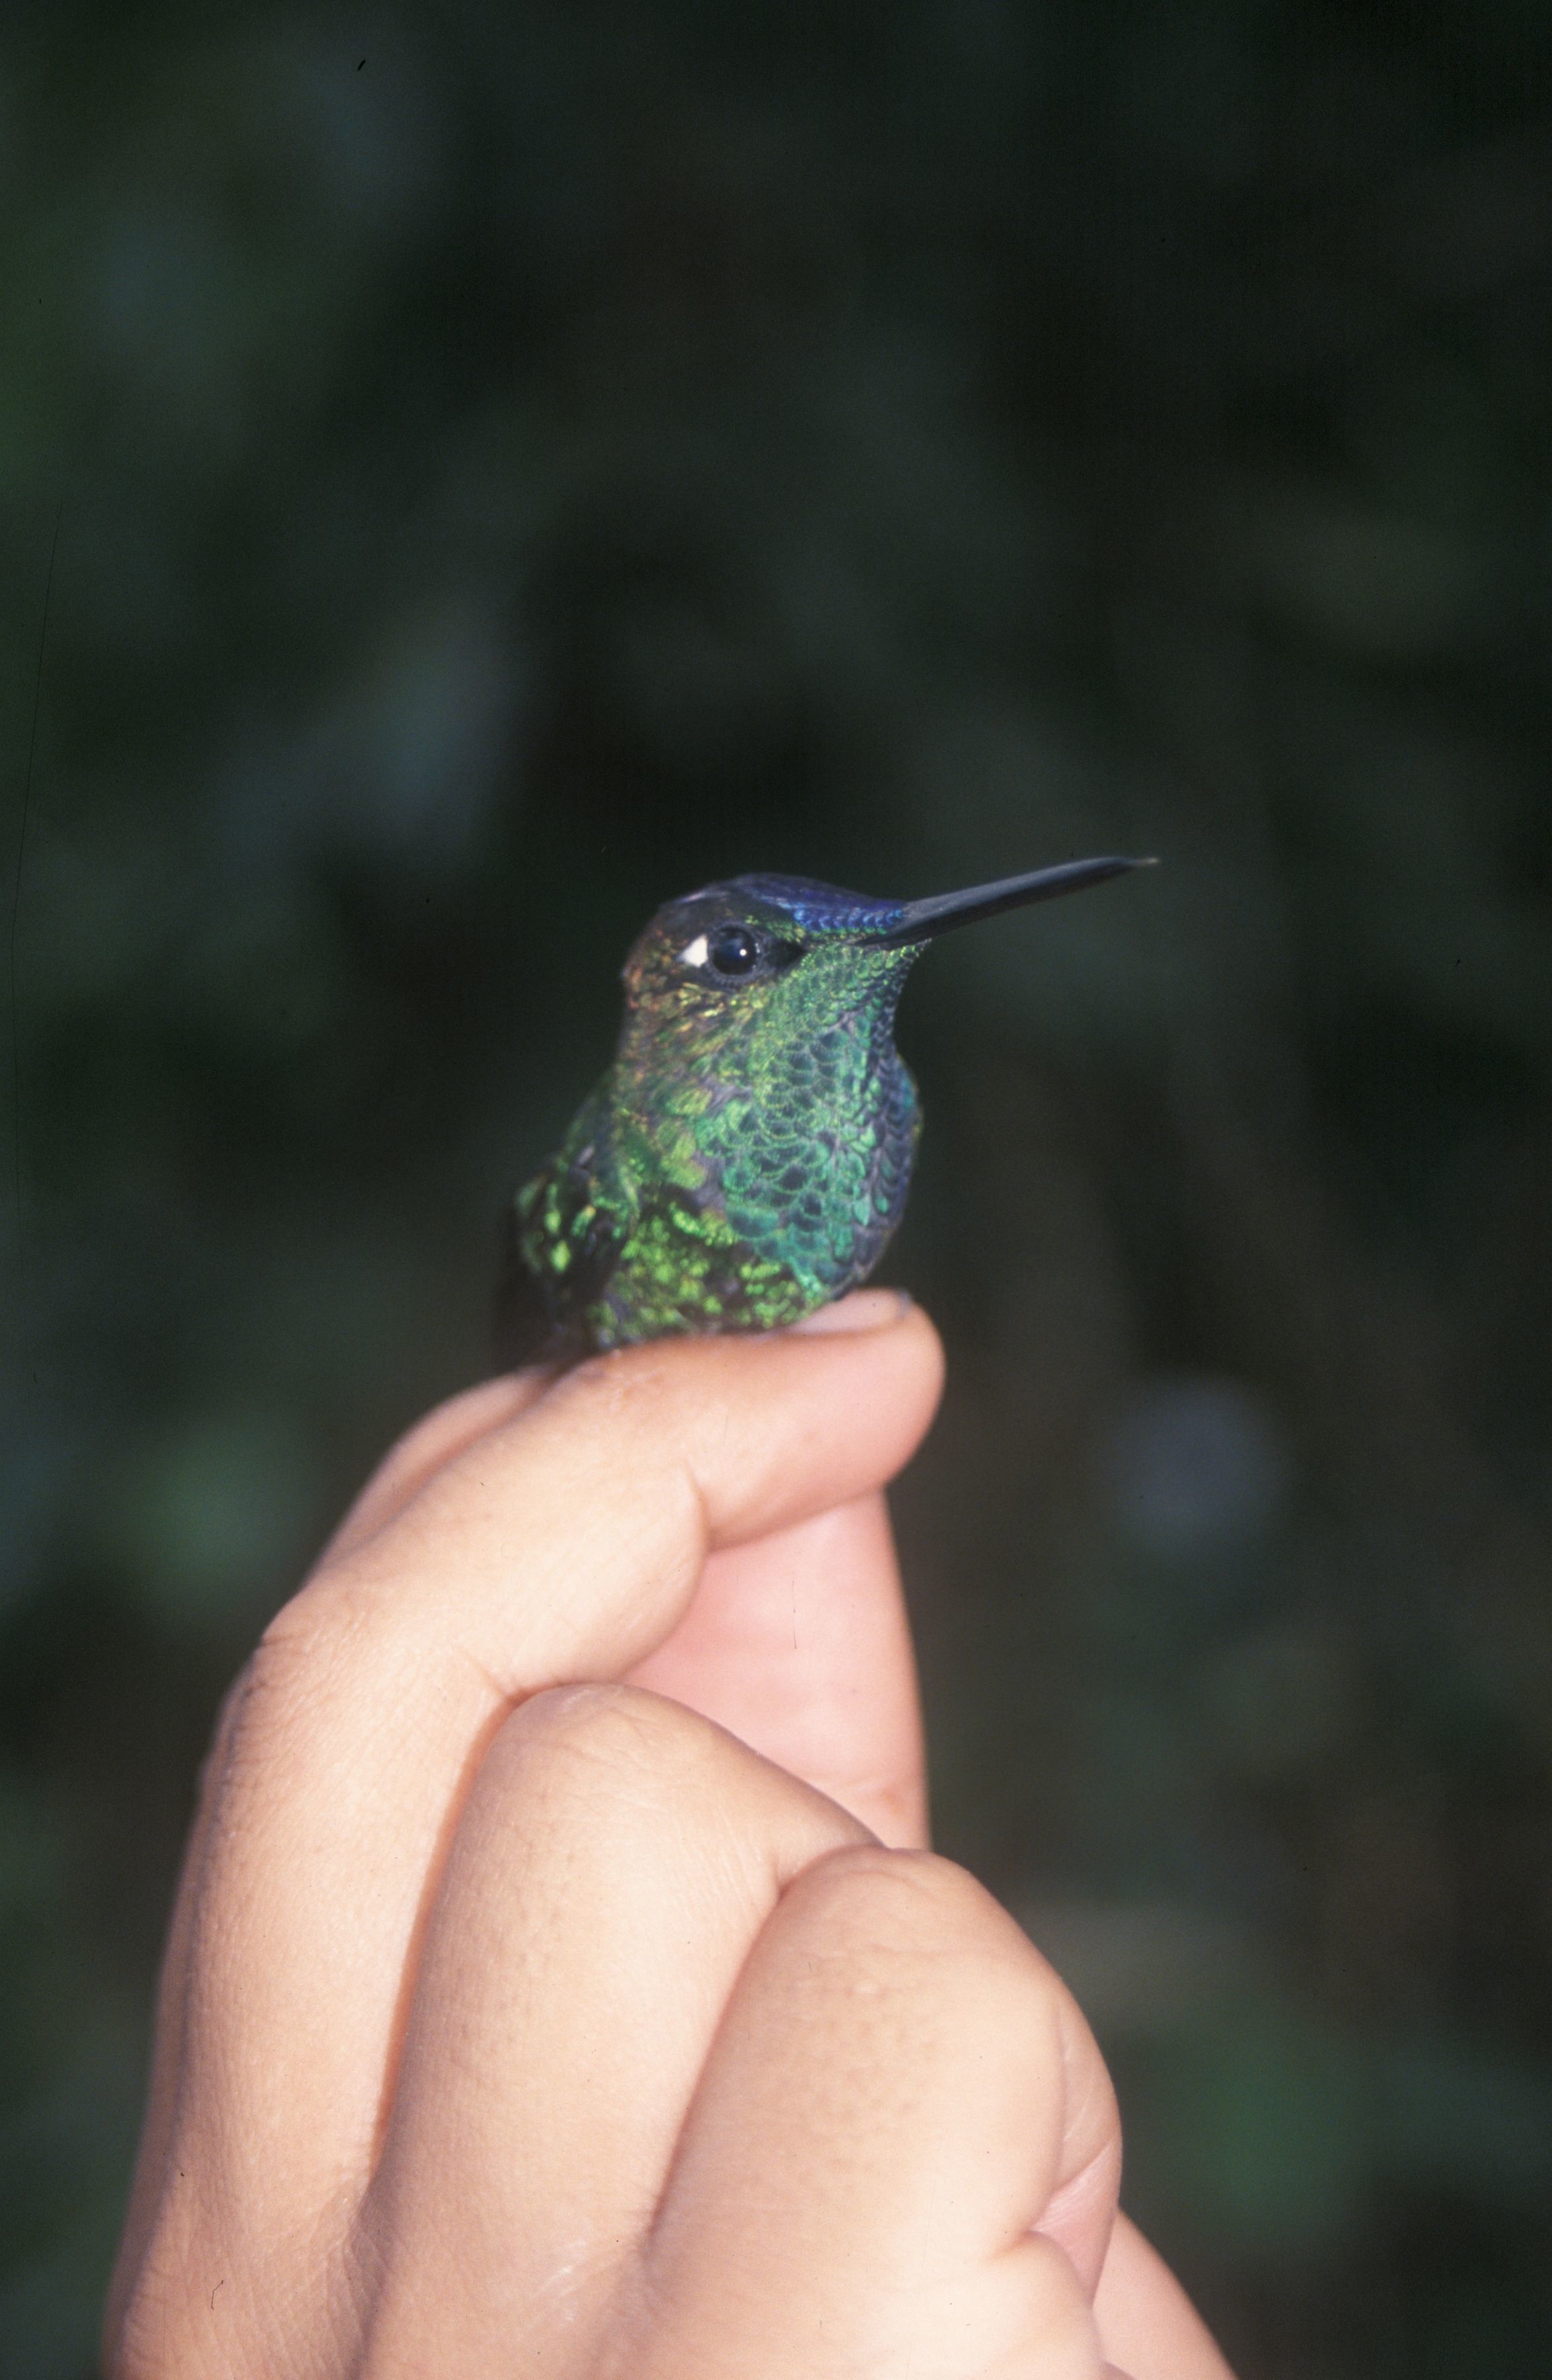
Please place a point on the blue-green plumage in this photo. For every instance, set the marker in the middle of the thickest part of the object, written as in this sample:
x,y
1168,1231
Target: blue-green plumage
x,y
747,1156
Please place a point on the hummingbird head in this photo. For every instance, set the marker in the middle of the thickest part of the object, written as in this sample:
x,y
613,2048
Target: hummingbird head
x,y
784,956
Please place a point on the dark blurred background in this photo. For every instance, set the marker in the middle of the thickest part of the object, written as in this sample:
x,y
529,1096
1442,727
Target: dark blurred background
x,y
505,465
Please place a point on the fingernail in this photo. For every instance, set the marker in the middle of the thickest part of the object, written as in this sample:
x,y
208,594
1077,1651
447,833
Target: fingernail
x,y
866,1309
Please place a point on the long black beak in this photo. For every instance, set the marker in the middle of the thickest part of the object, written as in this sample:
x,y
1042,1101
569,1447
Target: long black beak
x,y
920,920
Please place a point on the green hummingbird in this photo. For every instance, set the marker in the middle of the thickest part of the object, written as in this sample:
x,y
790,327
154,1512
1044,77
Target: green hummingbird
x,y
748,1153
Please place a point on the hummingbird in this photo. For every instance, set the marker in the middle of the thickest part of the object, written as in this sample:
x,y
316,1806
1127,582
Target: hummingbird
x,y
747,1155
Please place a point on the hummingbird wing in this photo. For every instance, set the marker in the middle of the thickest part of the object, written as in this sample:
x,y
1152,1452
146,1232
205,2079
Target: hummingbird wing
x,y
522,1326
564,1234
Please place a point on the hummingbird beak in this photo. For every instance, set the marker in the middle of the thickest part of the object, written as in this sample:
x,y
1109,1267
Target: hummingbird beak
x,y
920,920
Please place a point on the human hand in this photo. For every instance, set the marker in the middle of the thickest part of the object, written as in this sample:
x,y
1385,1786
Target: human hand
x,y
516,2018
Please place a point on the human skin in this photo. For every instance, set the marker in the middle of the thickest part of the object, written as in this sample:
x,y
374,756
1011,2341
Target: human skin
x,y
558,1984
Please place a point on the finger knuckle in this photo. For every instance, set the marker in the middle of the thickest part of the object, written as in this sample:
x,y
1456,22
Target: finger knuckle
x,y
325,1638
917,1893
616,1734
915,1908
325,1615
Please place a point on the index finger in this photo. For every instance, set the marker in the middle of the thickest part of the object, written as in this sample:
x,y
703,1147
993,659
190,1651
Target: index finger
x,y
560,1547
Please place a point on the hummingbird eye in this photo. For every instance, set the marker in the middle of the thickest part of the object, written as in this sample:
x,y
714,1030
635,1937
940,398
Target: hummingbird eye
x,y
733,950
736,952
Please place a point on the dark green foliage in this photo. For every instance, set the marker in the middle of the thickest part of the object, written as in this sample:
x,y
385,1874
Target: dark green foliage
x,y
511,463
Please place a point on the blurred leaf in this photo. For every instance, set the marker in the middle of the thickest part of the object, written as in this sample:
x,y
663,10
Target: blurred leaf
x,y
1260,2131
215,1517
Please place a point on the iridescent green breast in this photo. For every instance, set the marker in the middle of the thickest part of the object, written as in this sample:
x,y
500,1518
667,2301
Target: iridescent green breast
x,y
729,1206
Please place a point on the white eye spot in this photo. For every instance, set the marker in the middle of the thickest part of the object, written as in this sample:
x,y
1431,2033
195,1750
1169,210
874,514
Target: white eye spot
x,y
694,953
